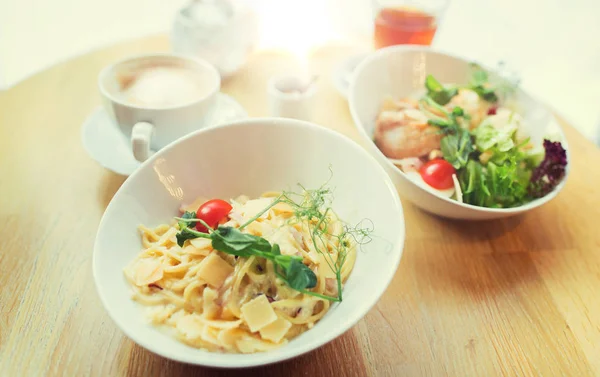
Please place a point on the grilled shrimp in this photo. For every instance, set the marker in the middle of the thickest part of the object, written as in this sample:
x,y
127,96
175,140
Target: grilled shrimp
x,y
472,104
405,133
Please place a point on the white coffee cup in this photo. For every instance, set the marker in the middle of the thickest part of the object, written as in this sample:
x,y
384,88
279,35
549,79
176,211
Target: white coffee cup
x,y
157,98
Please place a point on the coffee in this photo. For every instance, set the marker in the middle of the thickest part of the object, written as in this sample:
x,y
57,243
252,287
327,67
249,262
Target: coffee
x,y
163,86
155,99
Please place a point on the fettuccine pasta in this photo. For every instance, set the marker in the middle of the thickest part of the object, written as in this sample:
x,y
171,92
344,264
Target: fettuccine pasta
x,y
219,302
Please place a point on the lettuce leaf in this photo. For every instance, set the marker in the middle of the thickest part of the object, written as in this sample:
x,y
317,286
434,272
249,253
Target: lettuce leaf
x,y
457,147
473,184
507,179
508,183
501,179
495,186
488,137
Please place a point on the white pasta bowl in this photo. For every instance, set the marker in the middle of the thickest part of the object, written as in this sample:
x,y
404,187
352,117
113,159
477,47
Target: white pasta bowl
x,y
251,157
399,71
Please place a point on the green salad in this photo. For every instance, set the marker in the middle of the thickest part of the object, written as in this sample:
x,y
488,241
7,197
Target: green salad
x,y
465,142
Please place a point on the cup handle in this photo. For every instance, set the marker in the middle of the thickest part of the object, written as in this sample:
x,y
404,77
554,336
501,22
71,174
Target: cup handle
x,y
141,136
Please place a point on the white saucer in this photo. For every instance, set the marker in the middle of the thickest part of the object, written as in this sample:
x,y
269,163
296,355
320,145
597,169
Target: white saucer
x,y
105,143
343,72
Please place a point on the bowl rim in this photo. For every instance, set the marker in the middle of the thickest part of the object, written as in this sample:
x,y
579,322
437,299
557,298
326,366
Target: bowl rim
x,y
262,358
383,52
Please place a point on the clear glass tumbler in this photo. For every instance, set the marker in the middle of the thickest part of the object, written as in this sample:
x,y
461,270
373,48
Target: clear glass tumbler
x,y
406,21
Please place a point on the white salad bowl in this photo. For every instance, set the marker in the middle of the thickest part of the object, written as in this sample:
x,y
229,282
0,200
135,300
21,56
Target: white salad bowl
x,y
251,157
399,71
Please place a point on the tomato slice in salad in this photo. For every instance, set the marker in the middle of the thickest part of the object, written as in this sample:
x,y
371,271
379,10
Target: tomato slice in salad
x,y
212,212
438,174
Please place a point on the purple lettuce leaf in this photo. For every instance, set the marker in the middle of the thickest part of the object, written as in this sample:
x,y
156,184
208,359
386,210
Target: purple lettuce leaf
x,y
550,172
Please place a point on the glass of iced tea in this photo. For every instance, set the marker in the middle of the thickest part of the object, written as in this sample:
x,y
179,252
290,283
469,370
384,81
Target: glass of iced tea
x,y
406,22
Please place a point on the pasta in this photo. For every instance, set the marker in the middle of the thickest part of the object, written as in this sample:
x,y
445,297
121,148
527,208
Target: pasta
x,y
219,302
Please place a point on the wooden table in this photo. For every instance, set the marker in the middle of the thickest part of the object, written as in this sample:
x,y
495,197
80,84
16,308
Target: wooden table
x,y
518,297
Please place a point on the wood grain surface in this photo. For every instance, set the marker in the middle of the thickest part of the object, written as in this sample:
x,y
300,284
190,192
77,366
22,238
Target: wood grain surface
x,y
515,297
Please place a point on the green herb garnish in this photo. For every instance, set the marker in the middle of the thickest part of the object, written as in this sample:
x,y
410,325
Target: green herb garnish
x,y
480,84
232,241
438,92
457,143
492,90
310,206
187,219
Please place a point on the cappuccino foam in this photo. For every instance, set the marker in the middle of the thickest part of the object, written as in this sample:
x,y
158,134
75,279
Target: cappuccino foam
x,y
164,86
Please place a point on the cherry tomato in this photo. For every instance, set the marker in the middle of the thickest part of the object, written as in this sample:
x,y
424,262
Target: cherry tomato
x,y
212,212
438,174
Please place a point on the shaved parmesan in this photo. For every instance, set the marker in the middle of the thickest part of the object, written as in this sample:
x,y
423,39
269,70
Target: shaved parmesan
x,y
148,271
201,243
236,217
258,313
276,330
229,337
254,207
286,241
214,270
190,326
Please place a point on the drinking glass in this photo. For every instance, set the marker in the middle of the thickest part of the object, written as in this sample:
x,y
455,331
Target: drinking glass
x,y
406,21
